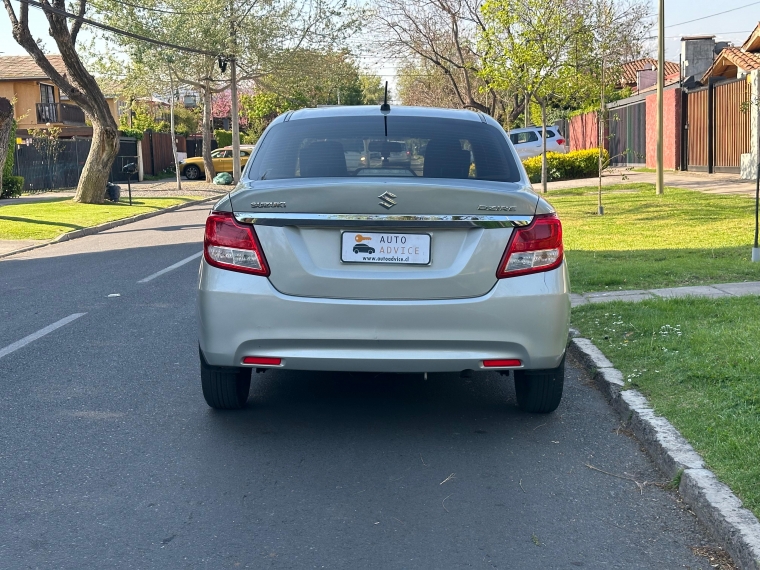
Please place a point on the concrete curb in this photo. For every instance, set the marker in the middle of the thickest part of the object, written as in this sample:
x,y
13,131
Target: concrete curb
x,y
108,225
735,527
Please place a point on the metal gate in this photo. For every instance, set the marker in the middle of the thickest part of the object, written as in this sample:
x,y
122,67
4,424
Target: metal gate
x,y
716,130
628,134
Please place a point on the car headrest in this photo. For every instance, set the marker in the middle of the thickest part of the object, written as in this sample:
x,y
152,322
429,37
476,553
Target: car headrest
x,y
322,159
444,158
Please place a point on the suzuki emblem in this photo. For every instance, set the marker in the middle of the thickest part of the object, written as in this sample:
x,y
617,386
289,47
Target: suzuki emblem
x,y
387,200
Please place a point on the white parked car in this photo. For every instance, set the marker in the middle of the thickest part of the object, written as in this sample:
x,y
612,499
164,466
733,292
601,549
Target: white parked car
x,y
445,263
527,141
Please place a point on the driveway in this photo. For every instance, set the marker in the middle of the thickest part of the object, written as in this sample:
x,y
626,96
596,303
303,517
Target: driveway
x,y
109,457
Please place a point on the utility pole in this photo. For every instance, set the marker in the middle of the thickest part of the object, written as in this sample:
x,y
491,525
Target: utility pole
x,y
660,84
234,111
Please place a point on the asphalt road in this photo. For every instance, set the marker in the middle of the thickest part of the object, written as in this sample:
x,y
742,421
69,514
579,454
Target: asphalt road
x,y
110,458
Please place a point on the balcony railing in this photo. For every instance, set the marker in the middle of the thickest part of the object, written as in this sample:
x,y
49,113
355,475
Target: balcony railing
x,y
60,113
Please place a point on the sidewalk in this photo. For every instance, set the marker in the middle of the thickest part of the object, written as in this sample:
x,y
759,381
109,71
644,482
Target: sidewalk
x,y
701,181
712,291
147,189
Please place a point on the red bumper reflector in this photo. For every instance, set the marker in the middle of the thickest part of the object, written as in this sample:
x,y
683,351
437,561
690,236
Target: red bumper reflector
x,y
262,360
501,363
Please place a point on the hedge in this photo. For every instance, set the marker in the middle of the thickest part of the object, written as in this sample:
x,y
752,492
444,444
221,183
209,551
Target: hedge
x,y
576,164
12,186
223,138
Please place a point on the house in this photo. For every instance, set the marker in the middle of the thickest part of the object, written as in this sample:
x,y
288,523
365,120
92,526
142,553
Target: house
x,y
38,101
641,74
736,62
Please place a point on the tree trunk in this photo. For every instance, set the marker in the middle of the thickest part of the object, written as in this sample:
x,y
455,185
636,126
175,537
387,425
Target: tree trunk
x,y
103,150
236,168
208,164
6,124
544,173
171,129
81,88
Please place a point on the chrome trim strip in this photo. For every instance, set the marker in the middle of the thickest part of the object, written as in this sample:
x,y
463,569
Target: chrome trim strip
x,y
373,220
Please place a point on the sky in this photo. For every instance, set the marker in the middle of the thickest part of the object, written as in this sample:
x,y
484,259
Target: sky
x,y
733,26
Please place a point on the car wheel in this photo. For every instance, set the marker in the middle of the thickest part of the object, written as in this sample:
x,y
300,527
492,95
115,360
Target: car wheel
x,y
540,391
192,172
224,387
371,251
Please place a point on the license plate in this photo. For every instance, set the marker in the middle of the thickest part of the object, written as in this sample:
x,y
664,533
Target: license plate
x,y
369,247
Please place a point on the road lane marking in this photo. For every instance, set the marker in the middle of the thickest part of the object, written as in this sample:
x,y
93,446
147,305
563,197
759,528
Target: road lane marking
x,y
171,267
39,334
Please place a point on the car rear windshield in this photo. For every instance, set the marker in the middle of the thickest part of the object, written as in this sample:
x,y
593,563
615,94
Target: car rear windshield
x,y
359,146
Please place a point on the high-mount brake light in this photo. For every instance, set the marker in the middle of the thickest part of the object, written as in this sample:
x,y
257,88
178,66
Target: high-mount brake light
x,y
534,248
228,244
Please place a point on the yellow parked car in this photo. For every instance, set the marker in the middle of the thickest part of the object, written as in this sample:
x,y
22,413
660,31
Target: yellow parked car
x,y
192,168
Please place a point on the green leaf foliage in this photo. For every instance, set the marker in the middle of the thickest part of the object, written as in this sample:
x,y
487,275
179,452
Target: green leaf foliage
x,y
223,138
12,186
11,152
576,164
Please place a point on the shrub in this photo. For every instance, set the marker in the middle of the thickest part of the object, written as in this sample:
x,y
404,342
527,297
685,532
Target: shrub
x,y
136,133
223,138
12,186
11,151
576,164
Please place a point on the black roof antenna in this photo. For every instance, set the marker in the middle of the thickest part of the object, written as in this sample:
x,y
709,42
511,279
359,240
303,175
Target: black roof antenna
x,y
385,107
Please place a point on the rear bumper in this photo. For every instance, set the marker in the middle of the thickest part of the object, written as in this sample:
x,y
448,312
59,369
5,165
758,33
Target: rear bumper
x,y
526,318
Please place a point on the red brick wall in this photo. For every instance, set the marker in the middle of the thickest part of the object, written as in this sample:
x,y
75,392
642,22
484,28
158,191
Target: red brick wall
x,y
584,132
671,105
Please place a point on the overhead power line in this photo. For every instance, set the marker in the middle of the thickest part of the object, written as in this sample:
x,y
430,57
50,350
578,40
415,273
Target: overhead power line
x,y
93,23
713,15
172,12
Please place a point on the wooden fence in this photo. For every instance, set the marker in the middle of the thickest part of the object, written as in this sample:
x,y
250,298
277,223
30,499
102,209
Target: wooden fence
x,y
157,151
717,132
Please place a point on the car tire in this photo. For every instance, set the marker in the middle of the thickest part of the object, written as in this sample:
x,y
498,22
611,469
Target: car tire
x,y
540,391
224,387
192,172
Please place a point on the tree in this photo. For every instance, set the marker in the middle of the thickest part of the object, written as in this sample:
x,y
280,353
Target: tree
x,y
615,32
6,126
373,89
307,79
526,46
80,87
251,38
439,39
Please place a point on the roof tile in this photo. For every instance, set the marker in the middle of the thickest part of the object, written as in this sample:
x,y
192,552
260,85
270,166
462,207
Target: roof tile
x,y
24,67
632,67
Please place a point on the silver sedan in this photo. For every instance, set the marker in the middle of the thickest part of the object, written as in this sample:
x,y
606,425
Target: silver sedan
x,y
447,263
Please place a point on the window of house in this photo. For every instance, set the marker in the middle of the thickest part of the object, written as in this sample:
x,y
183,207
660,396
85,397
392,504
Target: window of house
x,y
47,93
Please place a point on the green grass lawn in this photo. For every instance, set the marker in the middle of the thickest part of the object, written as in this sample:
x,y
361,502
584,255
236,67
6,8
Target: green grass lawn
x,y
646,241
50,218
698,362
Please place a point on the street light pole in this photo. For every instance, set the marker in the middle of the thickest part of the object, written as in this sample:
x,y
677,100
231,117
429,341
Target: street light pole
x,y
660,85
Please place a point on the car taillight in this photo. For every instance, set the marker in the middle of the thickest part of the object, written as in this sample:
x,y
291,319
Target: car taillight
x,y
560,141
230,245
534,248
